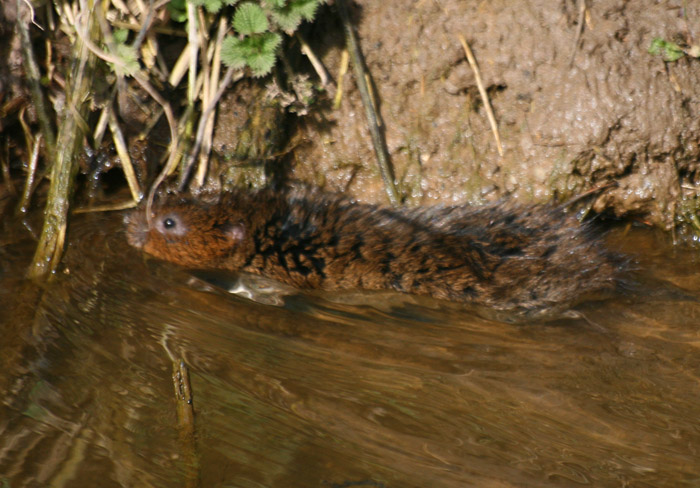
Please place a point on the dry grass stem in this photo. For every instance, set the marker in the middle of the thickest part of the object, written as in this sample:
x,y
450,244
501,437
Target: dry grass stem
x,y
228,77
110,207
344,61
482,92
5,159
208,96
380,149
31,175
180,67
320,69
193,45
34,79
123,152
579,30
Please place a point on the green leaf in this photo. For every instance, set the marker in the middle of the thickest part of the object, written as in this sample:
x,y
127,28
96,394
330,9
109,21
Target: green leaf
x,y
262,64
120,36
307,8
290,16
669,50
250,19
177,11
276,3
233,52
287,20
257,51
230,2
212,6
129,58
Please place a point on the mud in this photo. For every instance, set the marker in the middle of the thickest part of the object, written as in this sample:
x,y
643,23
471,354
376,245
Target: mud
x,y
571,117
579,101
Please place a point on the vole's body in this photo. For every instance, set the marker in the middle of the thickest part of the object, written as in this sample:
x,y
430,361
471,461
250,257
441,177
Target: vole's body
x,y
521,259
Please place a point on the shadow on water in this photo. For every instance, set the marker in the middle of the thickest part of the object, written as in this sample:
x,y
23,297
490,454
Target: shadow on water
x,y
335,391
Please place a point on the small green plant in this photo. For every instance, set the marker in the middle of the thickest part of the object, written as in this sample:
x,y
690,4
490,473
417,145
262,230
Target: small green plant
x,y
258,26
256,45
126,53
671,51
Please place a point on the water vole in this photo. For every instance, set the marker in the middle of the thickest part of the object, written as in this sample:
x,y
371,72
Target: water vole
x,y
524,260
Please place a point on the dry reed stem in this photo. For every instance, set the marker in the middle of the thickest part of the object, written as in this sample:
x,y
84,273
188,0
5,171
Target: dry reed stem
x,y
65,163
482,92
344,61
361,77
208,137
34,79
579,30
123,152
228,77
31,175
193,46
317,64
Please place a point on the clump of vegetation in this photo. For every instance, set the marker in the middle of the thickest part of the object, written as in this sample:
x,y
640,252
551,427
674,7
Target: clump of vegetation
x,y
121,44
258,27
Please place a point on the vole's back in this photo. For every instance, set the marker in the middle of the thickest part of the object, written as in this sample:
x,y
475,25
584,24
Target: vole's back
x,y
517,259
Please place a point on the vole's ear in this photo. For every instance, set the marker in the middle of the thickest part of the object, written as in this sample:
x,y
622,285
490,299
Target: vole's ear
x,y
234,230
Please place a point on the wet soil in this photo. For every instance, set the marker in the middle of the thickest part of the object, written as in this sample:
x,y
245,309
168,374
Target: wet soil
x,y
579,101
571,116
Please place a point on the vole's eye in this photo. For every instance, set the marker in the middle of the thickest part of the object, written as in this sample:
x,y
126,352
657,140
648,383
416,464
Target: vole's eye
x,y
171,224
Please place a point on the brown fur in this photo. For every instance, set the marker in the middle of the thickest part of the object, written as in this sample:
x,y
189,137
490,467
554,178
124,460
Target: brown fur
x,y
520,259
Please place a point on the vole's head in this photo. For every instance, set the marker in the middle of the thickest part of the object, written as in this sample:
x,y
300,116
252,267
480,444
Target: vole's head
x,y
187,233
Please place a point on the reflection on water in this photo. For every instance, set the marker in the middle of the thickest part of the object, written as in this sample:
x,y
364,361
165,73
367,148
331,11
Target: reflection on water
x,y
375,390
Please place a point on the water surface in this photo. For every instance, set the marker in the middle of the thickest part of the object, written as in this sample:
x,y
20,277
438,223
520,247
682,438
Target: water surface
x,y
376,390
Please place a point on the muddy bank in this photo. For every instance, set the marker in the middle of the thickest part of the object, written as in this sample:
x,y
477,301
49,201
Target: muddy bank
x,y
571,116
579,101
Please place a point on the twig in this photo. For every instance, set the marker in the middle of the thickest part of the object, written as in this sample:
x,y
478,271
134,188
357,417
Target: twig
x,y
579,30
320,69
482,92
344,59
172,123
378,141
123,152
5,158
31,174
208,133
203,122
185,417
193,46
34,79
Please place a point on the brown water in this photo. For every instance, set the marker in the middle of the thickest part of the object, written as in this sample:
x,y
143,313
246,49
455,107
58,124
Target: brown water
x,y
384,391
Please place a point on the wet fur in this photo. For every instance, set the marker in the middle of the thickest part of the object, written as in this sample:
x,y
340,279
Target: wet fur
x,y
525,260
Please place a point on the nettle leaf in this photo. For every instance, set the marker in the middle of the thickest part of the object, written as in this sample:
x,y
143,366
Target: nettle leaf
x,y
212,6
257,51
128,56
307,8
230,3
233,52
176,9
290,16
276,3
250,19
120,36
287,20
